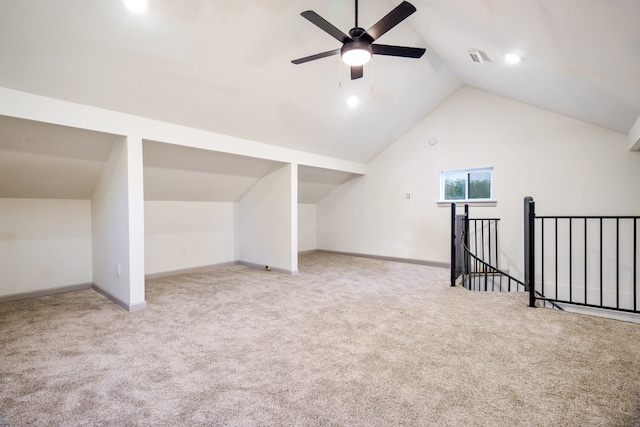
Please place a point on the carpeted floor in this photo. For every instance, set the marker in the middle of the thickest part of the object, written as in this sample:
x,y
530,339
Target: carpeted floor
x,y
348,341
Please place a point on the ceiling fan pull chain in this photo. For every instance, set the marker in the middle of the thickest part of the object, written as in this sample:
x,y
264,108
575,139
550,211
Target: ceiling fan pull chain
x,y
373,75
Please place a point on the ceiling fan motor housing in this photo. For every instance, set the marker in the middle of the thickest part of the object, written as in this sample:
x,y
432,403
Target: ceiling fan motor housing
x,y
358,33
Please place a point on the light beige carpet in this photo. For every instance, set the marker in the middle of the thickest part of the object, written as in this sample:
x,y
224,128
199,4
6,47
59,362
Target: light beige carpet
x,y
347,342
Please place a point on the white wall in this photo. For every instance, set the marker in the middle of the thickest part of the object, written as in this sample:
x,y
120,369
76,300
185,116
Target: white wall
x,y
268,221
307,227
44,244
48,110
118,225
568,166
135,201
184,235
634,136
118,203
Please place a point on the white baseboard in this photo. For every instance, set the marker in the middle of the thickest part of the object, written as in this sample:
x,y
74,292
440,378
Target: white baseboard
x,y
200,269
45,292
312,251
129,307
387,258
601,312
264,267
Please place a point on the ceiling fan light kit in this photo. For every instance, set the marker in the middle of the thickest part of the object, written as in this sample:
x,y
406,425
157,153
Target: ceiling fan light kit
x,y
358,47
356,53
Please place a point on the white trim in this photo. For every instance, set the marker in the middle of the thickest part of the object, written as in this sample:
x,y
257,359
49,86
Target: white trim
x,y
200,269
600,312
388,258
272,269
312,251
479,204
129,307
44,292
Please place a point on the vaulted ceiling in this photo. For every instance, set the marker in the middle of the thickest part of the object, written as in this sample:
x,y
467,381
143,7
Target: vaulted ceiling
x,y
226,66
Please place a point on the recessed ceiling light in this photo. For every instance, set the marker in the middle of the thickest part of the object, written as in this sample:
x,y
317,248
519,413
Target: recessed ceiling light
x,y
136,6
353,101
512,58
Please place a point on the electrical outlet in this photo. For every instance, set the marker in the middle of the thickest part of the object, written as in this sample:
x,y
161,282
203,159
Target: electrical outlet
x,y
118,270
184,251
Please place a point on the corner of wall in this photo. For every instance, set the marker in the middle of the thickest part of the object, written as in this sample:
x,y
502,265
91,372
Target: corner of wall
x,y
634,136
267,221
117,214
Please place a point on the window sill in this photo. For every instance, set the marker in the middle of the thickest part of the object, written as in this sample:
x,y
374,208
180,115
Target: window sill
x,y
480,204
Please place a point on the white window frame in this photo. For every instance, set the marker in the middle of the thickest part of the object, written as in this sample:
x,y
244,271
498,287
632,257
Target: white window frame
x,y
482,202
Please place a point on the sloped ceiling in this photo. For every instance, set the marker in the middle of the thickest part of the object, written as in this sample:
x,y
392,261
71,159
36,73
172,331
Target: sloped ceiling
x,y
39,160
580,58
225,66
222,66
46,161
315,183
178,173
173,172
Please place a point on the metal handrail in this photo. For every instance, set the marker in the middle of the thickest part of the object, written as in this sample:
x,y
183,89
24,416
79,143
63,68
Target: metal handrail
x,y
578,277
484,263
517,281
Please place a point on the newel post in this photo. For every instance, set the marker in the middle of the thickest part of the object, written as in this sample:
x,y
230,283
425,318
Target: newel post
x,y
453,244
529,248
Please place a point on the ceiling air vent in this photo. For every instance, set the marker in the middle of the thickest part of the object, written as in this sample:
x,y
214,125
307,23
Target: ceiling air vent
x,y
478,56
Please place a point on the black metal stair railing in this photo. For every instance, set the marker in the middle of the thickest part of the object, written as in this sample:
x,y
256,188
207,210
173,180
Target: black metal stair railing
x,y
589,261
489,278
479,275
475,257
475,254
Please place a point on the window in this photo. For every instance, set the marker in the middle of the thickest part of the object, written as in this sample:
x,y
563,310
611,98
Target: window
x,y
466,185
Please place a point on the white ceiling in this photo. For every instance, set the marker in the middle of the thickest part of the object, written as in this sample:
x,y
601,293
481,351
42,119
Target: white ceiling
x,y
225,67
315,183
581,58
39,160
173,172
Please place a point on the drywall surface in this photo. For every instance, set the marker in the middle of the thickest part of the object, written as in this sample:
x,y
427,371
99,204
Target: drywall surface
x,y
118,225
48,110
44,244
568,166
135,194
634,136
268,221
182,235
307,227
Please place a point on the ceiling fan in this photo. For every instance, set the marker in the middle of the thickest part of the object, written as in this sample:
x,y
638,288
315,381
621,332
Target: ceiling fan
x,y
358,46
